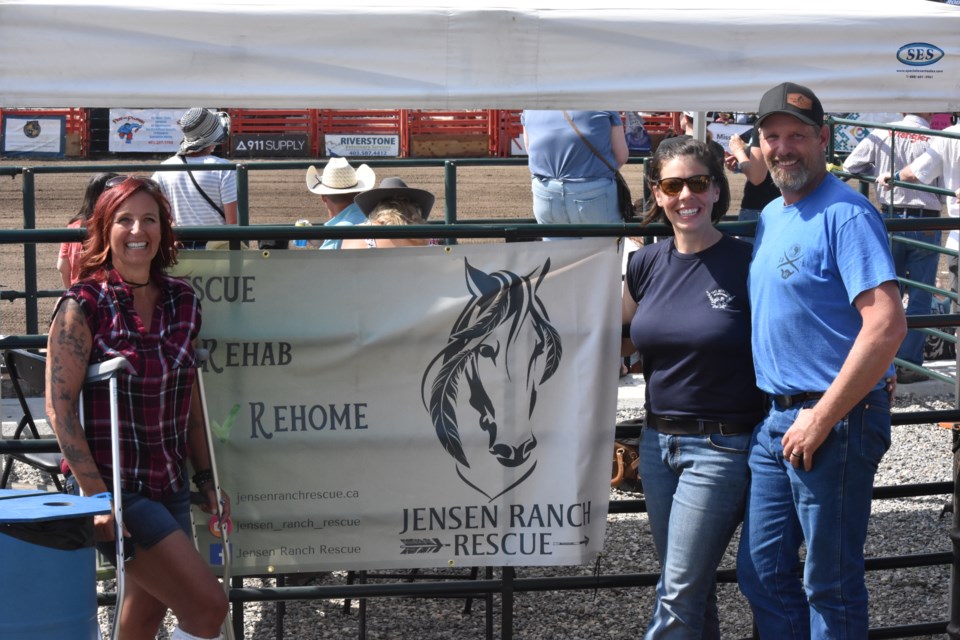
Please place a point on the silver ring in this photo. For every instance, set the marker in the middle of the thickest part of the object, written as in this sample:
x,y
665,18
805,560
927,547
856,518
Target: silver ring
x,y
796,455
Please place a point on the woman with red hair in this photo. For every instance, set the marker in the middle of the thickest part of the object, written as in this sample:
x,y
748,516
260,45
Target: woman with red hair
x,y
125,305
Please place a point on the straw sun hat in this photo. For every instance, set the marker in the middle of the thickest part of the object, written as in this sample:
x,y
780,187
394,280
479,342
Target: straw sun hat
x,y
339,177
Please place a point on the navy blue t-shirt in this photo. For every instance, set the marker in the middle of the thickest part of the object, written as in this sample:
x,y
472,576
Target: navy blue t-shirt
x,y
692,328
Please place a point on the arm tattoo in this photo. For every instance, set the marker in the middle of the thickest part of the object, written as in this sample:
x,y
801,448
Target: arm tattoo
x,y
67,357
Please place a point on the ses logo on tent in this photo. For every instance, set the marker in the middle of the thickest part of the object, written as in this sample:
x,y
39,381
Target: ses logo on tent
x,y
919,54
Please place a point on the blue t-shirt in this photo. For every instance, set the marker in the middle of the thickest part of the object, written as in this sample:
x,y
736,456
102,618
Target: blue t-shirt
x,y
692,329
350,216
812,259
556,151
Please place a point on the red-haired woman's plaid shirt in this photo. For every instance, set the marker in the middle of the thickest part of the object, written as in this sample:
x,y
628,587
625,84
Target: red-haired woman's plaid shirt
x,y
154,402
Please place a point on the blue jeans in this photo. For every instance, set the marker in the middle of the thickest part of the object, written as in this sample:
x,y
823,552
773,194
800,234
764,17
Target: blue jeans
x,y
920,265
828,508
558,202
748,215
695,488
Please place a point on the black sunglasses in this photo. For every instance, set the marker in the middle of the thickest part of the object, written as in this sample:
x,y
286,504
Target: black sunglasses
x,y
673,186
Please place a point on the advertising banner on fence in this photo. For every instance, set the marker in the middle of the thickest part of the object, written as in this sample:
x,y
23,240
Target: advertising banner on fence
x,y
34,136
270,145
362,145
424,407
145,130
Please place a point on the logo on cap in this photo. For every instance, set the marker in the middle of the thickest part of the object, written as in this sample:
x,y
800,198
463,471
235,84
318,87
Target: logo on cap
x,y
799,100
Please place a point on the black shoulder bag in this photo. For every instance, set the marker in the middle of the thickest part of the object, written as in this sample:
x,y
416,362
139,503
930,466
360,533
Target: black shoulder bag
x,y
219,209
624,199
203,193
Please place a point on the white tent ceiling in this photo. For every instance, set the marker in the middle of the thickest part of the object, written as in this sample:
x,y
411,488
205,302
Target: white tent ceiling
x,y
436,55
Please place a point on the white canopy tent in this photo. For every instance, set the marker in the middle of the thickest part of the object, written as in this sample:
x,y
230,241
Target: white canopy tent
x,y
678,55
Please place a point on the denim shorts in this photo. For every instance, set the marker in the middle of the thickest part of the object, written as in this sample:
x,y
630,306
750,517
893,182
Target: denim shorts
x,y
148,521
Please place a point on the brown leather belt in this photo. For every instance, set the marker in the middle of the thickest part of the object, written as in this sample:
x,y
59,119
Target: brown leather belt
x,y
785,402
695,427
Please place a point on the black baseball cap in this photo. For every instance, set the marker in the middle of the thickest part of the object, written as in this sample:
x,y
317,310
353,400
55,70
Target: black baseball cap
x,y
794,100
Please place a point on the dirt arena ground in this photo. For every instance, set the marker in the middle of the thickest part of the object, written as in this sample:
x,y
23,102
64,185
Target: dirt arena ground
x,y
276,197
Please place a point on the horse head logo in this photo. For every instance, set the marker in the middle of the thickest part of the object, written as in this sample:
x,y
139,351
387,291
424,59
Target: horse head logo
x,y
503,332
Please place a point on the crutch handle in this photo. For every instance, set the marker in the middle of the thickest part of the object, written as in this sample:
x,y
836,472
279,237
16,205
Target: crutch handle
x,y
99,371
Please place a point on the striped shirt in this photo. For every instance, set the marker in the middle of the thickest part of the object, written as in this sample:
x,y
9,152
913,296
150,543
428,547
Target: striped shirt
x,y
187,204
154,402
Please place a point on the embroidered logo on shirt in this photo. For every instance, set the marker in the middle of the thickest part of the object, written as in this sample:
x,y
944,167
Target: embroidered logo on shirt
x,y
719,299
789,262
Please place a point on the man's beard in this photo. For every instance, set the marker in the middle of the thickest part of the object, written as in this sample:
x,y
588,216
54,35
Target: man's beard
x,y
793,179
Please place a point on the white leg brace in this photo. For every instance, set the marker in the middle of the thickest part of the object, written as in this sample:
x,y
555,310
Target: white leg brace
x,y
180,634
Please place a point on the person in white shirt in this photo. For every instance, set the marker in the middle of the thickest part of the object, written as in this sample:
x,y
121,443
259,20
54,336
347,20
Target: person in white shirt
x,y
200,198
872,157
940,160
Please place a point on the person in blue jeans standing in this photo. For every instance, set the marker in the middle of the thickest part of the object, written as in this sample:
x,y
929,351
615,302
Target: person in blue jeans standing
x,y
872,157
827,321
571,182
687,307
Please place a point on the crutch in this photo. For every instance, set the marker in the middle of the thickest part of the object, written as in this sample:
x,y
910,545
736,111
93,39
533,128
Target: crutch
x,y
99,372
223,524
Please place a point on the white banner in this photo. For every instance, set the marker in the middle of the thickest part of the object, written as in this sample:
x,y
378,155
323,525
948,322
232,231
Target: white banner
x,y
360,145
524,54
423,407
517,147
42,136
145,130
723,132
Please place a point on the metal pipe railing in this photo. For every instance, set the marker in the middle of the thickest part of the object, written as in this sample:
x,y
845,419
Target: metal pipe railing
x,y
450,230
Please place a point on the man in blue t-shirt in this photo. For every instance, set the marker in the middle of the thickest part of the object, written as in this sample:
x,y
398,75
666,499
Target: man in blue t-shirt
x,y
827,321
337,186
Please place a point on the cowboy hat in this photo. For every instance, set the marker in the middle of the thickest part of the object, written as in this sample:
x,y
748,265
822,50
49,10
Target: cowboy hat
x,y
202,128
339,177
394,188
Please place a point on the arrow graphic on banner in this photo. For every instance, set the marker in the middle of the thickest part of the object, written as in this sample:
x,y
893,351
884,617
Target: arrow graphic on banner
x,y
420,545
585,541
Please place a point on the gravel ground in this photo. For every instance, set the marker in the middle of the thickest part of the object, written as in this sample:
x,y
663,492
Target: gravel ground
x,y
920,453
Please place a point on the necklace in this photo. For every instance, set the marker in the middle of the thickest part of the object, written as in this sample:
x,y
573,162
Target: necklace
x,y
136,285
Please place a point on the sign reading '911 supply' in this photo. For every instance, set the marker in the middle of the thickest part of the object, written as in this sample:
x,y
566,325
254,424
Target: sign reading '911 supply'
x,y
270,145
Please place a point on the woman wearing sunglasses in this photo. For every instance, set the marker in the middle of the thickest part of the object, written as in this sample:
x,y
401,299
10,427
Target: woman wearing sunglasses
x,y
685,300
125,304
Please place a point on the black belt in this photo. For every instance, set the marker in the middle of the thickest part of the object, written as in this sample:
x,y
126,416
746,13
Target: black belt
x,y
694,427
785,402
917,212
